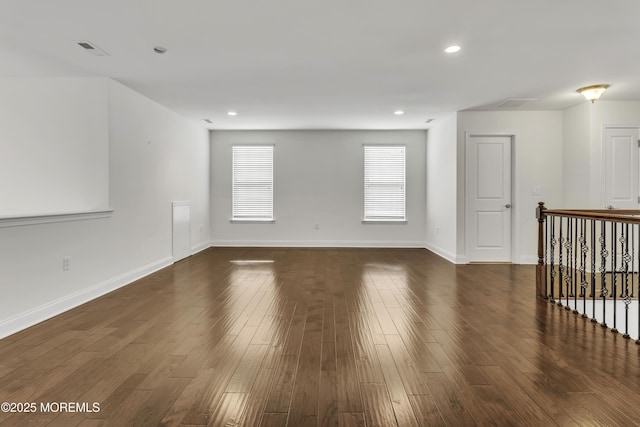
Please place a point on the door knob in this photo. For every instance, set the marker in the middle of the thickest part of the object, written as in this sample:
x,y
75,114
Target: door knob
x,y
507,206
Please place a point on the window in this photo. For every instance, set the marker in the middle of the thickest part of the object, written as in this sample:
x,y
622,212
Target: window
x,y
384,183
252,183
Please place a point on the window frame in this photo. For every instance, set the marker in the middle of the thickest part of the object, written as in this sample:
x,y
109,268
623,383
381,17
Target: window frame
x,y
373,219
251,219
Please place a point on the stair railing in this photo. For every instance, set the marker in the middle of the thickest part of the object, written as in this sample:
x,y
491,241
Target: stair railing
x,y
588,262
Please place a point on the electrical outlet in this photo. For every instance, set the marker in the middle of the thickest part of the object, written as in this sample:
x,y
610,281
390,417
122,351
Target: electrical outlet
x,y
66,263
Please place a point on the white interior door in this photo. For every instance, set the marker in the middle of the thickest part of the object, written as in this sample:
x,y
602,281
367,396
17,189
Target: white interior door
x,y
488,198
181,230
621,167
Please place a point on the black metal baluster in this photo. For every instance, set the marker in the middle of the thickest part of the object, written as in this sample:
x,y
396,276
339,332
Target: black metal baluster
x,y
633,255
546,256
568,277
560,265
576,253
594,268
583,261
638,339
614,278
553,249
626,257
603,271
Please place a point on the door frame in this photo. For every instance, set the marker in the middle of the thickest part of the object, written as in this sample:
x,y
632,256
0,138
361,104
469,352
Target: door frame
x,y
603,164
515,238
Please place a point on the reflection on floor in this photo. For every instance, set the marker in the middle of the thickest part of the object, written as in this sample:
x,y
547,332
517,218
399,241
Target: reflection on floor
x,y
327,337
615,314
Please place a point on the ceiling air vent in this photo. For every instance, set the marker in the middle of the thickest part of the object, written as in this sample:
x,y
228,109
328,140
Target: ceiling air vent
x,y
91,48
514,103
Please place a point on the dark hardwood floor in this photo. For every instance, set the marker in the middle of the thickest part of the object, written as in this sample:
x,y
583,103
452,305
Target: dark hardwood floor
x,y
349,337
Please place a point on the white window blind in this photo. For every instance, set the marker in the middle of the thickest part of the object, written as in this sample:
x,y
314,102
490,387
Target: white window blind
x,y
384,183
252,183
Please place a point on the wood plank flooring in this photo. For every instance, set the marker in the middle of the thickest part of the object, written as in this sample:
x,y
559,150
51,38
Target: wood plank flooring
x,y
323,337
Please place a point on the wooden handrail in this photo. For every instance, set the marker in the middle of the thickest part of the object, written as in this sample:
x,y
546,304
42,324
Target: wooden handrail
x,y
629,216
590,257
620,215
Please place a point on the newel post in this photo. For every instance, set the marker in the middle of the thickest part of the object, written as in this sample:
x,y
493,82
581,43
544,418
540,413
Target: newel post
x,y
541,268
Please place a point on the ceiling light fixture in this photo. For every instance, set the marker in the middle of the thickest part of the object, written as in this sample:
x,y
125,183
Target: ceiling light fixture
x,y
160,49
592,92
232,113
398,112
452,49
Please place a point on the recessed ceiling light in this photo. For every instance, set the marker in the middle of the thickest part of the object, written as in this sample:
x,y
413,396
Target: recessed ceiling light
x,y
232,113
452,49
398,112
160,49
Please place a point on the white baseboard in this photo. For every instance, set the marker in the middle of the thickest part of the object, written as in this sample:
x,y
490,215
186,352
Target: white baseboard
x,y
528,259
200,247
39,314
449,256
319,243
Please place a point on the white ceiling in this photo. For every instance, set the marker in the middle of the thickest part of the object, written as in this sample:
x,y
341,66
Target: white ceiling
x,y
332,64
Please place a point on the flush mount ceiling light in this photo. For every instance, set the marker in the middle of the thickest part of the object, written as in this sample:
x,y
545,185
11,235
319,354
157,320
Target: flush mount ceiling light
x,y
232,113
160,49
592,92
398,112
452,49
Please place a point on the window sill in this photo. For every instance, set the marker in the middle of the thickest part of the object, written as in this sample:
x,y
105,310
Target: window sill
x,y
16,221
252,221
384,221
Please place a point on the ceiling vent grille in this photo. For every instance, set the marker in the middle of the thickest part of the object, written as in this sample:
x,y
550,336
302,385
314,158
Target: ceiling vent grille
x,y
514,103
91,48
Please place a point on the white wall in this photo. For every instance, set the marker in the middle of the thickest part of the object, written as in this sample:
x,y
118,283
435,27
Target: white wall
x,y
538,165
318,179
441,173
576,157
155,157
53,130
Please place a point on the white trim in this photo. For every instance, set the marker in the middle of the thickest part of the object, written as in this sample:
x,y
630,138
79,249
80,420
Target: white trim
x,y
449,256
528,259
319,243
173,230
603,157
384,221
16,221
515,240
252,221
200,247
46,311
